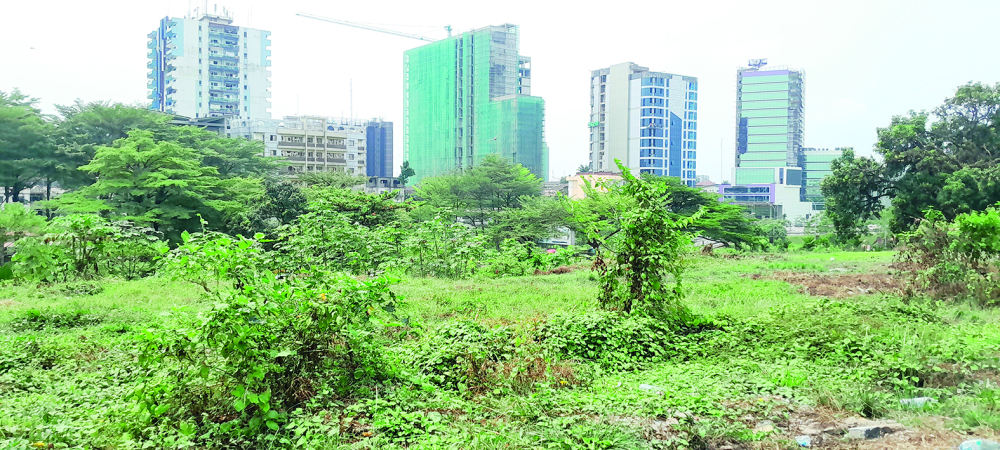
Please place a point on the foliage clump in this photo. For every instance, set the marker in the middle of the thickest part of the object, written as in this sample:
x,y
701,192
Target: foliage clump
x,y
958,258
640,246
265,347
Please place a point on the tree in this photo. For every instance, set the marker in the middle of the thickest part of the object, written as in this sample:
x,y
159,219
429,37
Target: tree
x,y
538,218
281,204
332,179
17,222
26,146
583,168
405,172
159,183
232,157
723,222
946,166
854,193
640,247
83,127
478,194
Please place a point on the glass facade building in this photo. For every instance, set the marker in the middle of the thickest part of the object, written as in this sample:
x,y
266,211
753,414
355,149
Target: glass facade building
x,y
379,148
648,120
816,166
468,96
770,118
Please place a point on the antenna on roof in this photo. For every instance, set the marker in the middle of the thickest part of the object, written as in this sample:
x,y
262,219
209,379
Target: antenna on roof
x,y
758,63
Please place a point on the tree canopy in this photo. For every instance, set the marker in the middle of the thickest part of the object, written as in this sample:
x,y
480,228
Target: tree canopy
x,y
948,164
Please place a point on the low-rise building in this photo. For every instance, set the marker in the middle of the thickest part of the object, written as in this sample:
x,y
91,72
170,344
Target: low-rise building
x,y
576,182
309,143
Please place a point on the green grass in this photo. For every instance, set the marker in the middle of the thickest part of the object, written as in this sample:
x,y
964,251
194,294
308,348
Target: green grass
x,y
68,362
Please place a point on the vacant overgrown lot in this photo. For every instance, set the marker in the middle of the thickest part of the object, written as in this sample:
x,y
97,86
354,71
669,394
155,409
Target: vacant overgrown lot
x,y
531,362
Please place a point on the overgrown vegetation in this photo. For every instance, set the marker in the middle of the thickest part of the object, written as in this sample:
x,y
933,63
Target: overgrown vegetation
x,y
184,296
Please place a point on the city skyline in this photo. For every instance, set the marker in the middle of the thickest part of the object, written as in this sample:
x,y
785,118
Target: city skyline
x,y
861,59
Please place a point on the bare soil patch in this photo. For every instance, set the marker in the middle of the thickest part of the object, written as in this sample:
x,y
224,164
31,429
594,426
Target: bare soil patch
x,y
841,285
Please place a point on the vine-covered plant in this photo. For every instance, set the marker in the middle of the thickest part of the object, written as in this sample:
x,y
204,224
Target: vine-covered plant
x,y
640,248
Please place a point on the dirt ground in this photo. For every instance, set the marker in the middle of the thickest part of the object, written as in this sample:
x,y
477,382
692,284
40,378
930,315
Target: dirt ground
x,y
839,285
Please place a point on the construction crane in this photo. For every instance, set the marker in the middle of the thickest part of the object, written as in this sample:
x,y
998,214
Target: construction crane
x,y
371,27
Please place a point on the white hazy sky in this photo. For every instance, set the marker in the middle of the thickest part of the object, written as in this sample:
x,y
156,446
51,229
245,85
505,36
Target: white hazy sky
x,y
865,60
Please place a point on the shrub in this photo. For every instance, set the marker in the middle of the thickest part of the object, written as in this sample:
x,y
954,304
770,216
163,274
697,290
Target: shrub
x,y
264,347
639,245
613,339
955,259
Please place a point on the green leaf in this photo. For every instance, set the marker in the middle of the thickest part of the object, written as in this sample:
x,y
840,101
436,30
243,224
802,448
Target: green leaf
x,y
240,404
272,425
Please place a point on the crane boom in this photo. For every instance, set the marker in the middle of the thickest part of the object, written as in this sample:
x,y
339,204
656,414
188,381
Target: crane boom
x,y
370,27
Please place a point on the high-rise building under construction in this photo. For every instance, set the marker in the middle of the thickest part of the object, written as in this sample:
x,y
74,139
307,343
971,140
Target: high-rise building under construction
x,y
468,96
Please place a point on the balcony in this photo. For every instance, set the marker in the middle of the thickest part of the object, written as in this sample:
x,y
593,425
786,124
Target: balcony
x,y
224,89
223,57
213,31
151,64
152,43
224,68
223,78
306,159
224,45
225,101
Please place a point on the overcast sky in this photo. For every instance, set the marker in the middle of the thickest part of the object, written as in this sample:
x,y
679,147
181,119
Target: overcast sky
x,y
865,60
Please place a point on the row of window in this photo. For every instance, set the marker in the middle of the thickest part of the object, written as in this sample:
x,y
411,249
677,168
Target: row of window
x,y
649,101
692,95
651,142
690,125
657,92
659,162
655,81
652,112
690,145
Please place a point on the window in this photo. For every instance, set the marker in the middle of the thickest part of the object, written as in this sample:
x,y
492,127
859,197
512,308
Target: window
x,y
604,79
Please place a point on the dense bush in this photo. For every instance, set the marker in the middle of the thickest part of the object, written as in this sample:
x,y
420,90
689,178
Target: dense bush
x,y
957,258
264,347
87,246
615,340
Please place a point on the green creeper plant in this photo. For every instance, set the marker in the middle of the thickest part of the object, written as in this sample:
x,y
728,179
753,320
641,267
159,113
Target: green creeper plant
x,y
639,245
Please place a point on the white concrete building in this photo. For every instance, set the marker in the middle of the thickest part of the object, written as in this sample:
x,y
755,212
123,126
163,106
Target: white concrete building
x,y
309,143
204,66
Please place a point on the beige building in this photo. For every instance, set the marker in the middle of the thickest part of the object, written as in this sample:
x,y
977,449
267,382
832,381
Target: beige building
x,y
313,144
576,182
